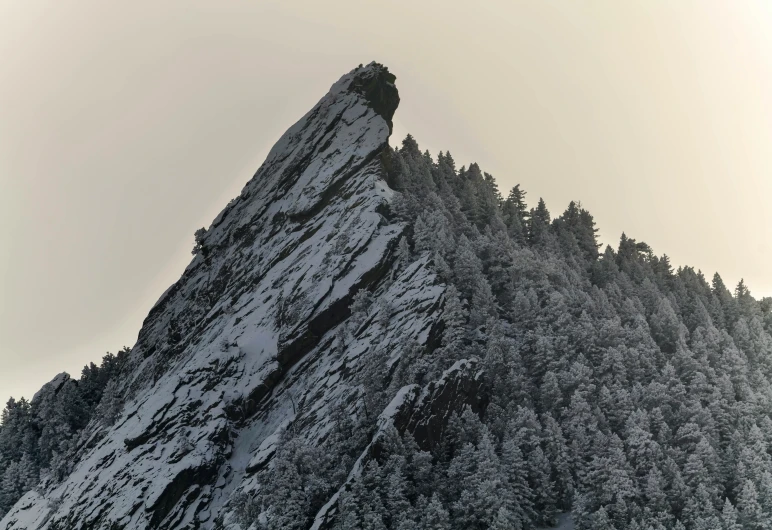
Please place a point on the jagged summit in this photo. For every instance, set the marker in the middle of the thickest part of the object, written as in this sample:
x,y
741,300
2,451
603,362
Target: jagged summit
x,y
217,366
344,131
371,338
376,84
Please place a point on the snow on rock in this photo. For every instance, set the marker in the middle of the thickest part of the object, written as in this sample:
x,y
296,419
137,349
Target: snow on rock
x,y
424,413
267,448
325,376
404,399
246,341
53,386
30,512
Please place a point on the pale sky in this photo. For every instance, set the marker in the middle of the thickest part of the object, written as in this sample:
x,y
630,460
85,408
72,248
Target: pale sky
x,y
124,126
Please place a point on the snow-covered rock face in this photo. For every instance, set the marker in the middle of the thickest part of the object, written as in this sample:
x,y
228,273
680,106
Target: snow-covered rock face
x,y
248,333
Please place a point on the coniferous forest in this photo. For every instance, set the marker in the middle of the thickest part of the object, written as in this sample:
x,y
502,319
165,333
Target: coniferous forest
x,y
38,438
617,389
630,394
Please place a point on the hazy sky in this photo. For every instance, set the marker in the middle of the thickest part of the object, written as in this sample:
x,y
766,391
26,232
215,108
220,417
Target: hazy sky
x,y
124,126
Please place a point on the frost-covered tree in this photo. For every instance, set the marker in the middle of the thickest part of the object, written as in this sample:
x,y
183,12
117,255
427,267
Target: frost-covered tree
x,y
630,393
200,246
610,385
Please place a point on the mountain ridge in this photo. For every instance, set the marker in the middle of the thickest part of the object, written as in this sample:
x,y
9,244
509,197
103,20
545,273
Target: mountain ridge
x,y
371,338
326,161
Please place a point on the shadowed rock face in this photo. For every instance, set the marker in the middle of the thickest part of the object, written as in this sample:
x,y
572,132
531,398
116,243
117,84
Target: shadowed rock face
x,y
424,413
460,386
376,84
249,331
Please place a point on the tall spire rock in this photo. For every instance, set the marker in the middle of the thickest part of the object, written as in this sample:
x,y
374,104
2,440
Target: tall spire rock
x,y
248,341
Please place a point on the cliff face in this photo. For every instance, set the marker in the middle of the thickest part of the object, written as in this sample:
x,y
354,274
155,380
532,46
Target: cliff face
x,y
250,331
343,355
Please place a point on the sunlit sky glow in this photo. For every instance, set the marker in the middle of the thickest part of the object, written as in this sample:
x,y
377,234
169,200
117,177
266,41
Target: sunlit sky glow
x,y
127,125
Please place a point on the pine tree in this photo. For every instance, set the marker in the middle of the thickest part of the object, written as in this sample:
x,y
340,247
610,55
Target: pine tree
x,y
402,254
479,503
751,515
665,326
729,517
504,521
539,224
558,454
200,247
654,491
601,520
515,214
435,516
518,492
454,318
765,495
398,508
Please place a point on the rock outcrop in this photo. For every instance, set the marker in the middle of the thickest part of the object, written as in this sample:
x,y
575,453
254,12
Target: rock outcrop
x,y
229,353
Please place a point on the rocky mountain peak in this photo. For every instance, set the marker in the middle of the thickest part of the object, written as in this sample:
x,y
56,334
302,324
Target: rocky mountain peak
x,y
250,339
370,337
376,84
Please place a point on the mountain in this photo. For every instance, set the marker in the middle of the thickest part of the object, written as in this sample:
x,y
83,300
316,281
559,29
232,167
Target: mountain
x,y
369,337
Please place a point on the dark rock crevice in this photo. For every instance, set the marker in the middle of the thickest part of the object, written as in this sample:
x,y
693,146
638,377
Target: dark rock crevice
x,y
174,491
142,452
424,414
376,84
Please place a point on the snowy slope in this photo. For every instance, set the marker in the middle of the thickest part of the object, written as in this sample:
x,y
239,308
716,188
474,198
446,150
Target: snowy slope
x,y
249,329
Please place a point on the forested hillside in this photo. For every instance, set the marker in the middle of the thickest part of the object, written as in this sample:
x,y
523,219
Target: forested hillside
x,y
621,390
373,338
40,439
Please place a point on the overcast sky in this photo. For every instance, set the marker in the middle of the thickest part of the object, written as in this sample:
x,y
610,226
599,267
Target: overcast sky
x,y
124,126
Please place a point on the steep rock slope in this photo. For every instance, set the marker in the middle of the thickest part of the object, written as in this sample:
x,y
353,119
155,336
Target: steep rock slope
x,y
248,341
345,354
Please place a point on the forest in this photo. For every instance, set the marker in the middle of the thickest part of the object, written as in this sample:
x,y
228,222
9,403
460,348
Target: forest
x,y
41,438
617,389
625,392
